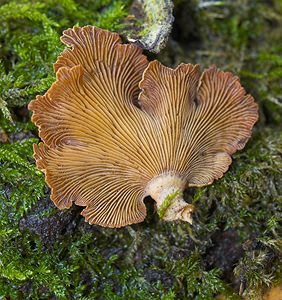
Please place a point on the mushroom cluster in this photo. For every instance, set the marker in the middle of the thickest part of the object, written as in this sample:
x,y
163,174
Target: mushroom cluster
x,y
117,128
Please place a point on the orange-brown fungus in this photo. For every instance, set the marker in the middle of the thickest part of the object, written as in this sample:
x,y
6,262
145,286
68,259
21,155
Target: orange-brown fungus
x,y
116,128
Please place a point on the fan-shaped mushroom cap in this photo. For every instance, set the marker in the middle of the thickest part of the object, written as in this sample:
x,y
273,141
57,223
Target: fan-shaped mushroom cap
x,y
103,151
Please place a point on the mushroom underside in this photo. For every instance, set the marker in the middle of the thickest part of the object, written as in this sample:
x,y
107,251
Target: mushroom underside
x,y
116,128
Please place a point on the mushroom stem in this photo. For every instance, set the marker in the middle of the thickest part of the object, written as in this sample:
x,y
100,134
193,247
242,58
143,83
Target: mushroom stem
x,y
167,191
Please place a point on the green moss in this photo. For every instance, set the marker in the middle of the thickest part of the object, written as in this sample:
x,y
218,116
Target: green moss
x,y
92,262
242,37
259,266
248,200
254,181
21,184
167,202
30,36
193,282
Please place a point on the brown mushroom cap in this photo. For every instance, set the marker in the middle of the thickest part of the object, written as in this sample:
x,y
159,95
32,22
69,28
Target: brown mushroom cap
x,y
101,151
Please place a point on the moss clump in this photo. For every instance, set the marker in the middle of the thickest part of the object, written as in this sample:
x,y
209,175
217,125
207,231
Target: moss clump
x,y
193,281
248,200
260,266
238,36
46,253
30,37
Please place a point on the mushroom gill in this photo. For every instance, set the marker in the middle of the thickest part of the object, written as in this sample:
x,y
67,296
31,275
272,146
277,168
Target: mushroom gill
x,y
116,128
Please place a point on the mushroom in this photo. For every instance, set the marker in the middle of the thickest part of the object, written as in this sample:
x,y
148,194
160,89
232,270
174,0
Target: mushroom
x,y
116,128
